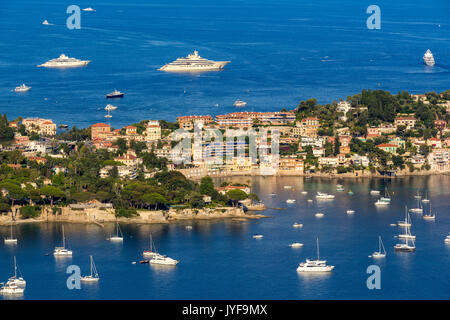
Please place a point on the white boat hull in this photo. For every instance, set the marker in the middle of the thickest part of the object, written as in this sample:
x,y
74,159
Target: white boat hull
x,y
315,269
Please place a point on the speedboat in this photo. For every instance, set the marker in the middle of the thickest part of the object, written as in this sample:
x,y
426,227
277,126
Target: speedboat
x,y
297,225
350,211
319,215
258,236
89,9
239,103
296,245
22,88
110,107
290,201
324,196
374,192
447,239
163,260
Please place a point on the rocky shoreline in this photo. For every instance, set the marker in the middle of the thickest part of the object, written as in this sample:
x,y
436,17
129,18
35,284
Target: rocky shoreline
x,y
100,216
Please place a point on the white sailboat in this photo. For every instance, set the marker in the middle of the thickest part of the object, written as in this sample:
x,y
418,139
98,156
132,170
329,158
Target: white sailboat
x,y
419,208
93,277
324,196
426,200
417,196
152,252
15,280
386,200
11,239
381,253
62,251
290,201
430,216
11,289
118,236
407,237
315,265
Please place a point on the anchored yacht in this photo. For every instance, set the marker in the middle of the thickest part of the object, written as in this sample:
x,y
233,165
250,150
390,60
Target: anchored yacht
x,y
428,58
321,195
89,9
62,251
93,277
159,259
64,61
115,94
193,63
315,265
110,107
16,280
22,88
239,103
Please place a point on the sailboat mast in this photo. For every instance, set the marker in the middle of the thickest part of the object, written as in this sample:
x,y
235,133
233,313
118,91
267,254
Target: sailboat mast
x,y
64,238
91,266
15,267
318,248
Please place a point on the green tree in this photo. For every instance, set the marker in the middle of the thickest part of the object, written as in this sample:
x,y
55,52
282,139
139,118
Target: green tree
x,y
236,195
52,192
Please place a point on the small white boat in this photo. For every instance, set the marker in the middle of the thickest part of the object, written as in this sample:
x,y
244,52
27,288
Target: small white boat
x,y
108,116
287,187
426,200
447,239
11,239
273,194
93,277
419,208
310,200
296,245
159,259
239,103
408,245
382,203
429,217
290,201
22,88
110,107
297,225
393,225
188,227
374,192
315,265
340,187
350,211
304,192
45,23
406,236
89,9
118,237
417,196
62,251
381,253
258,236
324,196
319,215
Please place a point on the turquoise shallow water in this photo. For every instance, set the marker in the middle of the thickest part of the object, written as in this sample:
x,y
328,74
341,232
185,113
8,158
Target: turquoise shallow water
x,y
281,52
221,260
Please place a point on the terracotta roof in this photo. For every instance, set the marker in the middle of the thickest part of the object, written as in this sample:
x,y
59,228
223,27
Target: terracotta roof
x,y
100,125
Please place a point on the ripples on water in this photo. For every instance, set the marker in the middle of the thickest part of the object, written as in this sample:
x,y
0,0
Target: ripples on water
x,y
221,259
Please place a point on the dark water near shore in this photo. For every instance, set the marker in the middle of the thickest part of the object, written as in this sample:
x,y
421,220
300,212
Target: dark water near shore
x,y
221,260
281,52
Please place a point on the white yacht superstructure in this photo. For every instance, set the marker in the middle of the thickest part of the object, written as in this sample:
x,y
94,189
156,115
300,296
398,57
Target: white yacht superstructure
x,y
64,61
193,63
314,265
428,58
22,88
159,259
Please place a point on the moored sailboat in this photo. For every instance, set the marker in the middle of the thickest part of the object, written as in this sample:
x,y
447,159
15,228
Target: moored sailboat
x,y
93,277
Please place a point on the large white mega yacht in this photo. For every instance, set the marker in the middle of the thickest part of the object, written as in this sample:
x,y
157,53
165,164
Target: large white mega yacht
x,y
193,63
428,58
64,61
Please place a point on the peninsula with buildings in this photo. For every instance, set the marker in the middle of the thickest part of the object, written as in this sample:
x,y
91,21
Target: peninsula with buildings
x,y
143,171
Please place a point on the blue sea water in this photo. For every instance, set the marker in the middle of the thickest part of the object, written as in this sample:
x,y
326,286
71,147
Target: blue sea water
x,y
281,52
221,259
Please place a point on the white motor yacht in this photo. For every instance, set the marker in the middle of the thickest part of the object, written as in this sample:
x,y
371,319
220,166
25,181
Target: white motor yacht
x,y
314,265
